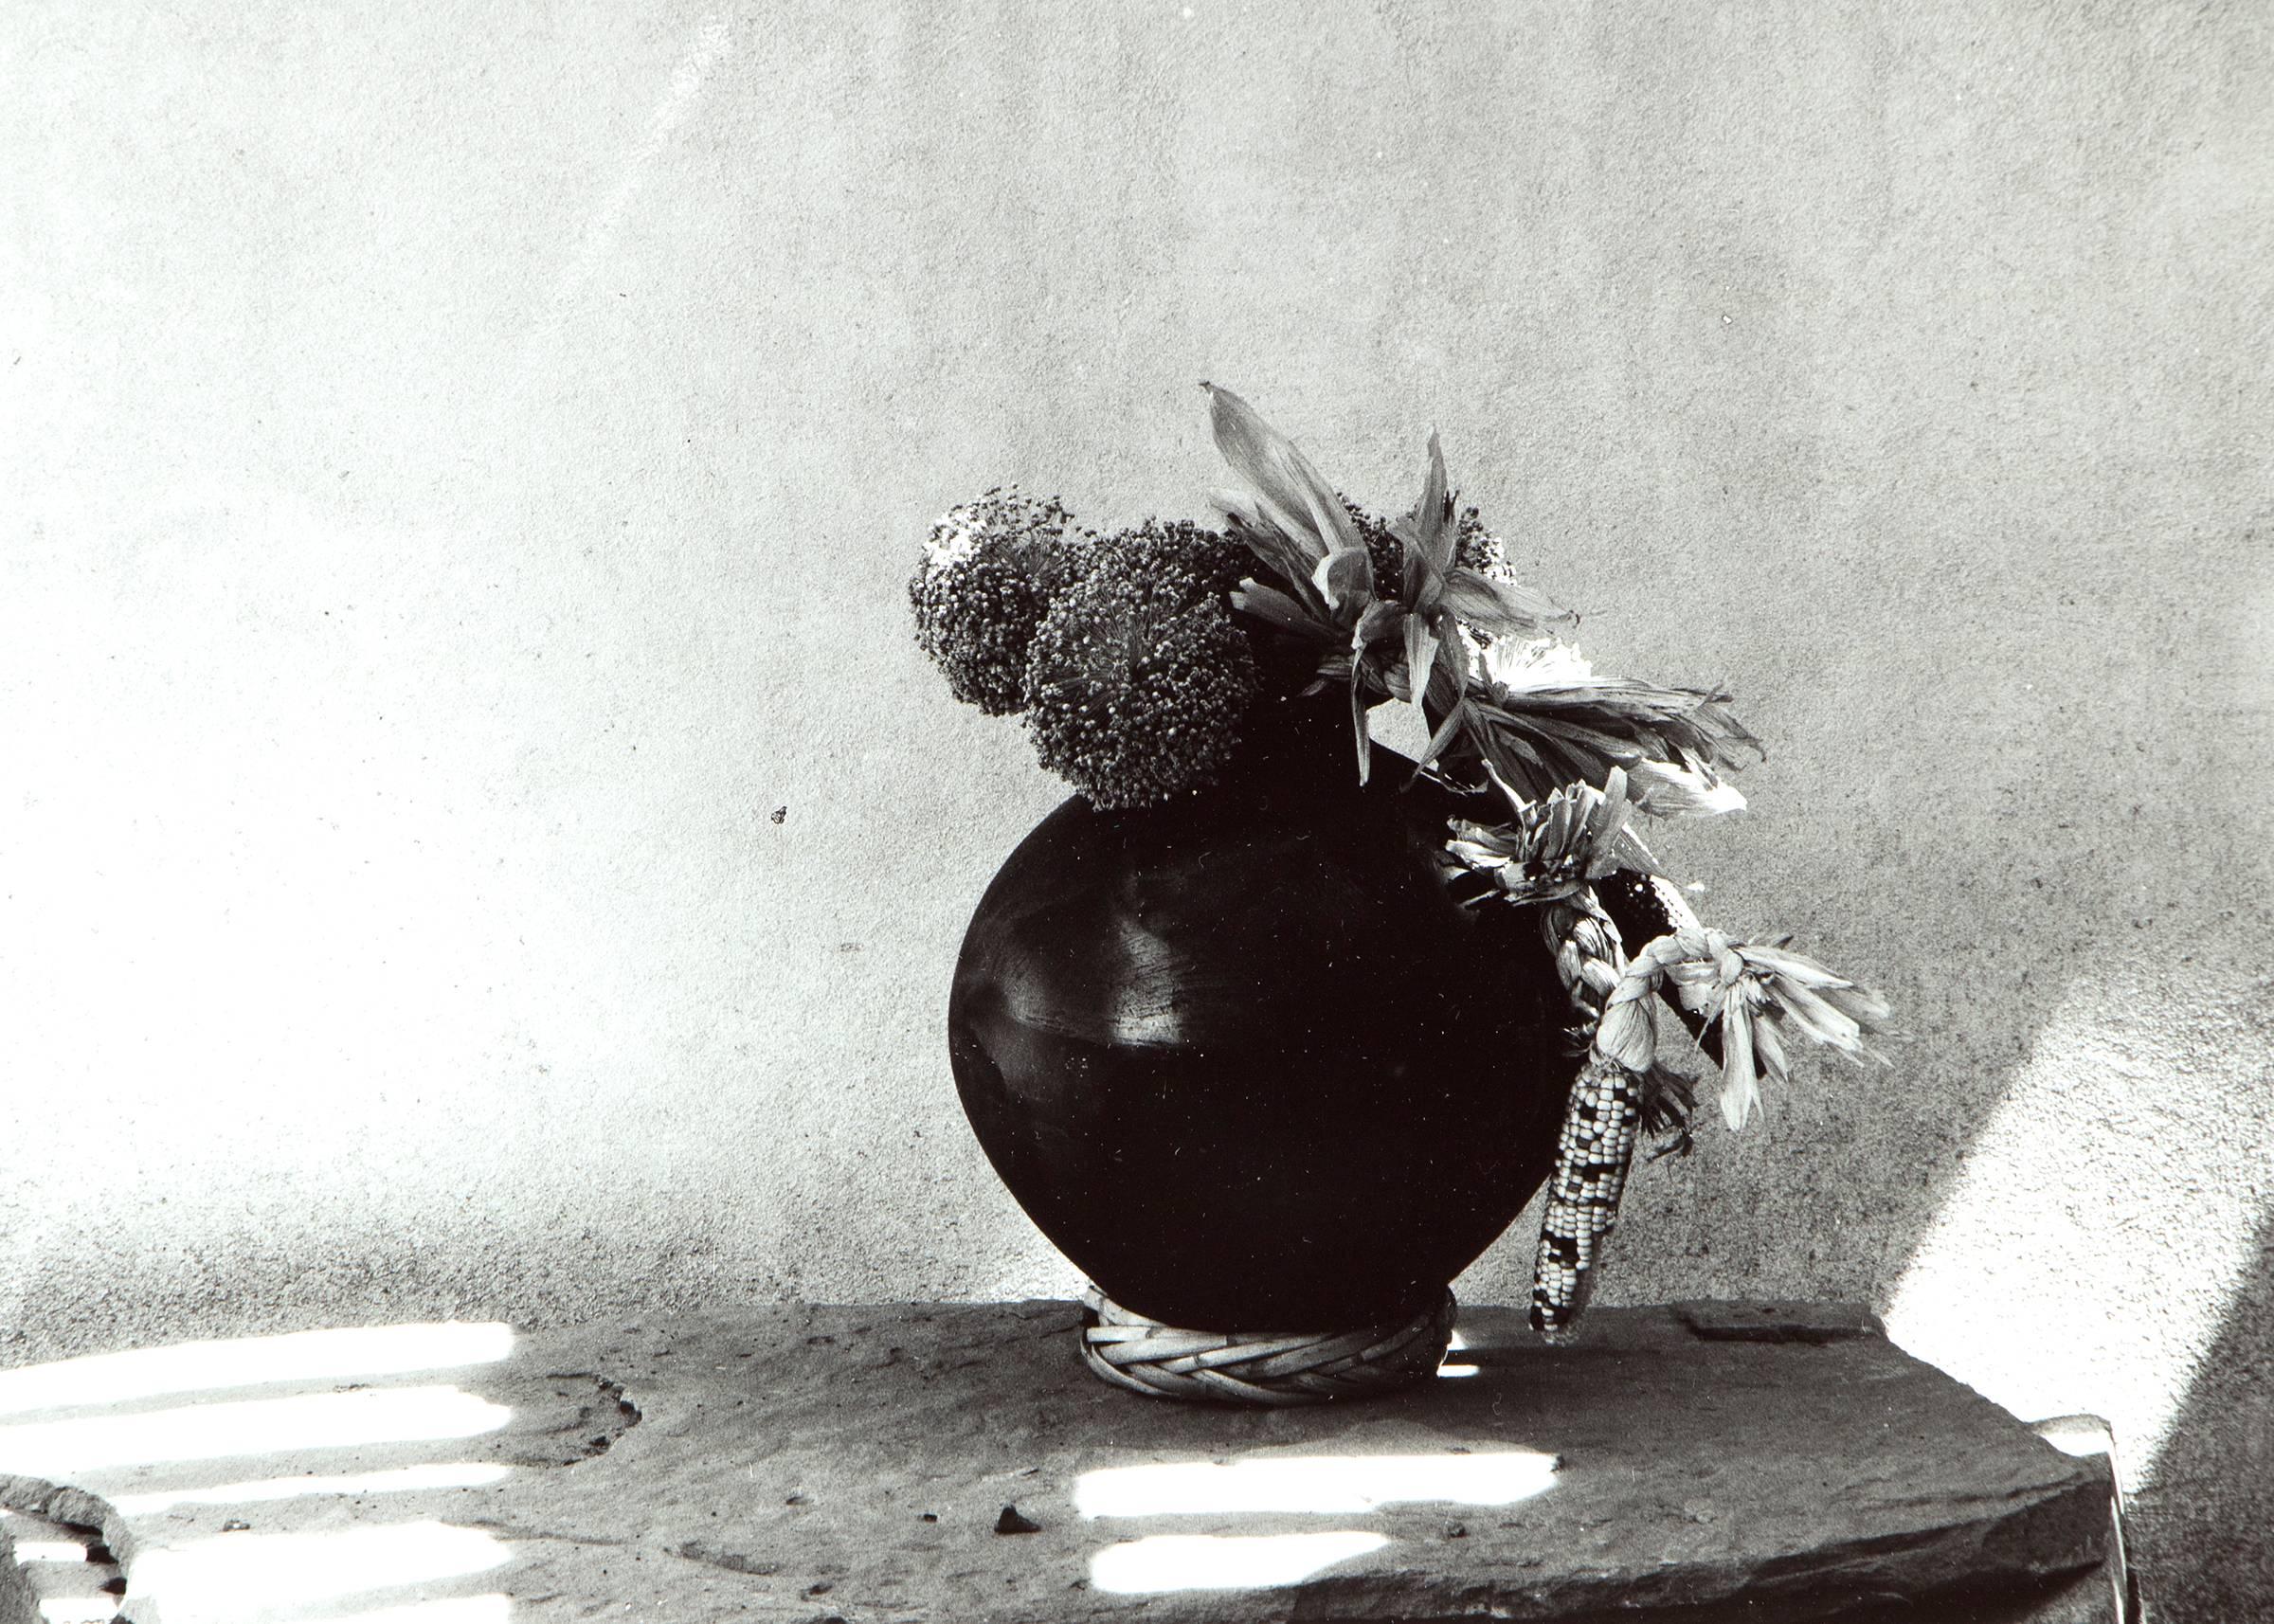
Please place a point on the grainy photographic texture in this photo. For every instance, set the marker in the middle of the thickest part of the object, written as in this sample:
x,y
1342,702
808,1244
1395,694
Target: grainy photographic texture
x,y
481,842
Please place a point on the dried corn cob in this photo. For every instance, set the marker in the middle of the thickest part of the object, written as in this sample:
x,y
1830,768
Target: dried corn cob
x,y
1559,846
1595,1146
1592,1153
1747,992
1572,856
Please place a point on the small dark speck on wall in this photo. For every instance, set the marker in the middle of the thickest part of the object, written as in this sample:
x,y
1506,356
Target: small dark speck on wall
x,y
781,814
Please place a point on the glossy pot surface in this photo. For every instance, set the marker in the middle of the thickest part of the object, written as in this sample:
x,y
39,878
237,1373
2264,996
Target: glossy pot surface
x,y
1245,1061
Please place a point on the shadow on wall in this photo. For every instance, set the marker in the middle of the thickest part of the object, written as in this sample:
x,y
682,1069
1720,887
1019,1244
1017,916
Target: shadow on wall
x,y
2210,1499
2059,1193
2102,1248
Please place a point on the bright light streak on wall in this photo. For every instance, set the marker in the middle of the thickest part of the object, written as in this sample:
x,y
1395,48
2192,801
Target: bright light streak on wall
x,y
256,1427
361,1354
402,1480
1338,1484
2084,1259
234,1577
1223,1561
712,40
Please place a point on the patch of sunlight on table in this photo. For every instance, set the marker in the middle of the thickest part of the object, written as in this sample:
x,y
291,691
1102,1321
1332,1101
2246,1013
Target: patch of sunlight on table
x,y
1326,1484
251,1427
324,1356
230,1577
1165,1562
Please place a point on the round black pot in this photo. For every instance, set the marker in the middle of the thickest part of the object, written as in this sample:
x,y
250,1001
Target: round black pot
x,y
1242,1057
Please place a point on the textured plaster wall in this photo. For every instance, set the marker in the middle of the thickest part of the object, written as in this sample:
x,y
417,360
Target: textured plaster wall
x,y
478,838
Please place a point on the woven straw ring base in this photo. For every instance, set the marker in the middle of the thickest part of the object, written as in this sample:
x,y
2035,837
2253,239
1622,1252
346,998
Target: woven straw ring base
x,y
1259,1367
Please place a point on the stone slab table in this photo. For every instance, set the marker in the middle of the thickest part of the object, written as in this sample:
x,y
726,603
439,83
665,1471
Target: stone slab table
x,y
956,1464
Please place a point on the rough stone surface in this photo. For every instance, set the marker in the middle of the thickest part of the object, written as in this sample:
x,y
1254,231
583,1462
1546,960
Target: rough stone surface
x,y
60,1570
17,1603
933,1463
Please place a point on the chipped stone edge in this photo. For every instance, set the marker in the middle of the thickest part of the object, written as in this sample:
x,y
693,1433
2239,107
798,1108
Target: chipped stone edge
x,y
17,1604
61,1502
627,1414
1906,1570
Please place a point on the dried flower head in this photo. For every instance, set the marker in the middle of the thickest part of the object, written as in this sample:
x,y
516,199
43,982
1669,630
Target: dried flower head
x,y
1137,679
988,572
1187,559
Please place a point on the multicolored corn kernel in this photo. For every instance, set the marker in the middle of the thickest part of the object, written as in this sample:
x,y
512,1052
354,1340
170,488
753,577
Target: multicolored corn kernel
x,y
1594,1151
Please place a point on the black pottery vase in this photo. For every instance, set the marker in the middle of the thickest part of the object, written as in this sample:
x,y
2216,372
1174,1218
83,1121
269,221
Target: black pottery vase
x,y
1243,1059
